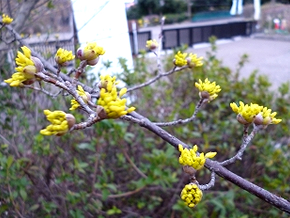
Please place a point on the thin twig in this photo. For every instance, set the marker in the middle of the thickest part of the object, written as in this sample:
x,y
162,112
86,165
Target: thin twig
x,y
246,141
133,165
183,121
122,195
149,82
209,184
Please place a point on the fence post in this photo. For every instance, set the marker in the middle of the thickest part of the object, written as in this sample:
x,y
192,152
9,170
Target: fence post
x,y
135,38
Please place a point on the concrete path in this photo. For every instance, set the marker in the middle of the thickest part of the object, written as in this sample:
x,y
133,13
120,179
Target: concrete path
x,y
269,57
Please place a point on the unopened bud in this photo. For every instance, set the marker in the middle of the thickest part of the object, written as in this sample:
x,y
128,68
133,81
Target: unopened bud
x,y
93,62
259,119
101,112
30,70
204,95
189,170
38,64
29,81
241,119
70,120
80,54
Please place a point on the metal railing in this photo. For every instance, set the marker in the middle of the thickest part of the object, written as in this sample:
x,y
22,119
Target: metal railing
x,y
45,49
173,38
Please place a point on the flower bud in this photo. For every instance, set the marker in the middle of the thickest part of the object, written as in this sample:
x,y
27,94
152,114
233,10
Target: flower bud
x,y
101,112
29,81
38,64
204,95
241,119
30,70
70,120
258,119
93,62
103,84
189,170
80,53
152,44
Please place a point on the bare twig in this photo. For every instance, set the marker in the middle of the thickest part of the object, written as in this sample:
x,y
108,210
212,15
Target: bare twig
x,y
246,141
183,121
149,82
210,184
133,165
122,195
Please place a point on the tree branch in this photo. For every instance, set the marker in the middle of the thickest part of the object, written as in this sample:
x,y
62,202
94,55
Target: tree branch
x,y
216,167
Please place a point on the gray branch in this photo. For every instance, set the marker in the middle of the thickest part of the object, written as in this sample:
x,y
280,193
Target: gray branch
x,y
216,167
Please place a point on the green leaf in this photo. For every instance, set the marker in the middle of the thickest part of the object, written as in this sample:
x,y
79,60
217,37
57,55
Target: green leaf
x,y
23,194
113,211
4,146
34,207
86,146
10,160
50,5
112,187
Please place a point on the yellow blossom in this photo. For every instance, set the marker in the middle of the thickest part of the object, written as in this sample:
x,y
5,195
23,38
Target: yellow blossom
x,y
62,56
25,72
268,117
208,90
189,157
152,44
180,59
84,95
194,61
110,100
246,113
6,19
90,53
60,123
254,113
191,195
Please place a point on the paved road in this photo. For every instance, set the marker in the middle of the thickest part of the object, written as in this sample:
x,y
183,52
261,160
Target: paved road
x,y
269,57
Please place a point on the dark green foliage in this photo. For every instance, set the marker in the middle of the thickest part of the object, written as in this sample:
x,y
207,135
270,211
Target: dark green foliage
x,y
150,7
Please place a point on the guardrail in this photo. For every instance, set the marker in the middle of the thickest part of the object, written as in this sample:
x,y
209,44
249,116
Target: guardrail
x,y
45,48
173,38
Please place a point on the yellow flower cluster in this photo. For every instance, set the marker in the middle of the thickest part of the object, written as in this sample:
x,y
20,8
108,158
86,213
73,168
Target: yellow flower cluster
x,y
85,96
26,69
208,90
110,100
194,61
62,56
152,44
254,113
90,53
191,195
188,157
182,59
60,123
6,19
